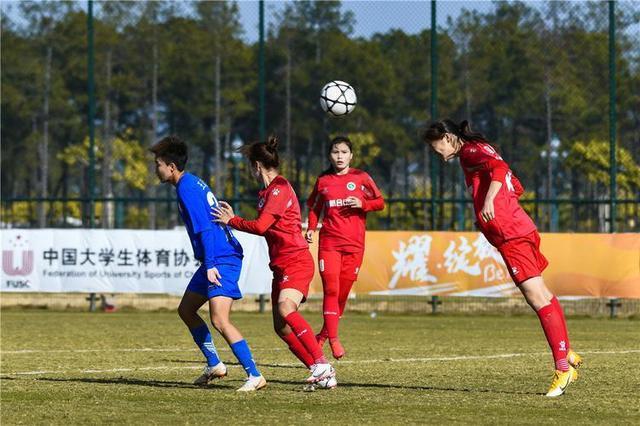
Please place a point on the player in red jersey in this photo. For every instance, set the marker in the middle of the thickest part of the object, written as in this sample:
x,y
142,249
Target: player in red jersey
x,y
290,260
343,195
495,191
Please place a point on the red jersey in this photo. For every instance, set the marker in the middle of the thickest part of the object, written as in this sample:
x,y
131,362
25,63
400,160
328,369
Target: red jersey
x,y
482,164
282,229
343,227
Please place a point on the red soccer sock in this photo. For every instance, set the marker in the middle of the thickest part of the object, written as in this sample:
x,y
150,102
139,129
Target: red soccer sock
x,y
343,295
324,332
330,305
552,324
558,307
304,333
298,349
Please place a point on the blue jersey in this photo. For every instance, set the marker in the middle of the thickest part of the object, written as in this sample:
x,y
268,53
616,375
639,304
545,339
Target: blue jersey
x,y
213,244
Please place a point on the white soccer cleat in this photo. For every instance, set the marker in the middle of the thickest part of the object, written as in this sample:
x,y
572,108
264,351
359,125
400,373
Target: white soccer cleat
x,y
209,373
328,383
253,383
320,372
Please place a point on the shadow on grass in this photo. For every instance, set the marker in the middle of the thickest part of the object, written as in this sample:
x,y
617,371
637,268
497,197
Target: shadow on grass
x,y
219,385
139,382
342,385
260,364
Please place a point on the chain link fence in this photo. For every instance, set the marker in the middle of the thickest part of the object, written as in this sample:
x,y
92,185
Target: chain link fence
x,y
87,87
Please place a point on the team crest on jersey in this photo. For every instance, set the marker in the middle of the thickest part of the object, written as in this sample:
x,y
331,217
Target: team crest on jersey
x,y
351,186
261,203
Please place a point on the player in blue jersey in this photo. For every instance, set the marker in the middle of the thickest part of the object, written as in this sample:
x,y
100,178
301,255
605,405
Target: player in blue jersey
x,y
216,280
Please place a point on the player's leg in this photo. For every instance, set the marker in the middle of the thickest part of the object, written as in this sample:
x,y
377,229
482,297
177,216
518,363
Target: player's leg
x,y
351,263
284,331
525,263
220,310
540,299
191,301
329,264
288,302
349,268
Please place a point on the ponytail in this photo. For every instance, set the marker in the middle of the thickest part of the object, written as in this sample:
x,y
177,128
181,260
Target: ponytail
x,y
437,130
264,152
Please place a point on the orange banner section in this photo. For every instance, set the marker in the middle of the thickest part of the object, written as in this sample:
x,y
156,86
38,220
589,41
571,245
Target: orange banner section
x,y
465,264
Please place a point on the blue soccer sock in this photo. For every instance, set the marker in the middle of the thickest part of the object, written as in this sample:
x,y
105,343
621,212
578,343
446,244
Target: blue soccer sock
x,y
243,353
202,337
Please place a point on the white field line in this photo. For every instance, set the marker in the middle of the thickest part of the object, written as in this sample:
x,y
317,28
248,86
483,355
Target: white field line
x,y
79,351
363,361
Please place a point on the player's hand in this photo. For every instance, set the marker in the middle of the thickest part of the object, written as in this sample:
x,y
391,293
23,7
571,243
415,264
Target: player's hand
x,y
354,202
214,276
488,213
309,236
223,213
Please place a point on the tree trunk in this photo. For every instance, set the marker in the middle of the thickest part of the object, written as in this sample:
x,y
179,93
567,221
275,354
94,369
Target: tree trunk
x,y
216,130
154,127
227,148
307,168
547,101
288,105
107,160
44,145
425,206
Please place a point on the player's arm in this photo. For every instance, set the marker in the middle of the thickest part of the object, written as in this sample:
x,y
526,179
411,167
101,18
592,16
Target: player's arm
x,y
197,206
224,214
208,239
498,170
372,201
375,202
315,210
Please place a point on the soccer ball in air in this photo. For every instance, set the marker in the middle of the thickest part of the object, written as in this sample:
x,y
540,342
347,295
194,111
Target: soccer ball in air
x,y
338,98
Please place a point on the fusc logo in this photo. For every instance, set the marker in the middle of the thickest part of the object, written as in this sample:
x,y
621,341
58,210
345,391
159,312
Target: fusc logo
x,y
17,284
18,245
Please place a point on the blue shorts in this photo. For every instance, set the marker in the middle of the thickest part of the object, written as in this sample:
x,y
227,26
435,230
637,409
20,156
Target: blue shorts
x,y
230,276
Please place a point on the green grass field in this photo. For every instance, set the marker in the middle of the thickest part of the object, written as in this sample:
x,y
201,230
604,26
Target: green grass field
x,y
137,368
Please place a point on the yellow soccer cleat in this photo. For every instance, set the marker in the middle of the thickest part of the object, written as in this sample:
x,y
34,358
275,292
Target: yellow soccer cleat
x,y
574,359
561,381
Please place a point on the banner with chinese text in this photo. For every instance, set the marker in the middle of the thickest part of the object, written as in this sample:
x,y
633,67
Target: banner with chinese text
x,y
115,261
395,263
465,264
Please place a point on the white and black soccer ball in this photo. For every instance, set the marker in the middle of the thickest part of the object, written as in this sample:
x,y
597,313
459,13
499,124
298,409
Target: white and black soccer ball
x,y
338,98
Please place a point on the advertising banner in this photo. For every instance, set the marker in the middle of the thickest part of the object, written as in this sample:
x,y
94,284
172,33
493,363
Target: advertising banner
x,y
395,263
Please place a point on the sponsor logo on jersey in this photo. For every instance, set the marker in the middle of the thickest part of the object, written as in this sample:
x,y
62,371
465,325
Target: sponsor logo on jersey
x,y
275,192
351,186
285,278
336,203
515,270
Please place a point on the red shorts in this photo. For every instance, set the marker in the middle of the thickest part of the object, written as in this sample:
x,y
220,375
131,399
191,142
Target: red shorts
x,y
345,264
296,274
523,257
